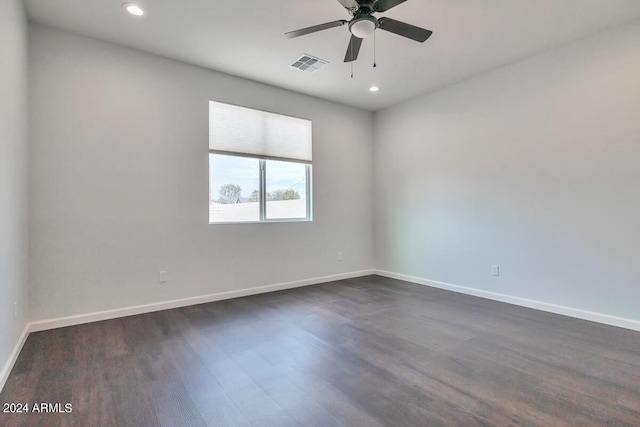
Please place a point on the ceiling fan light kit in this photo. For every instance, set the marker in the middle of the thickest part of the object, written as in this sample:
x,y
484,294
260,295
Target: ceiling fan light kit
x,y
363,24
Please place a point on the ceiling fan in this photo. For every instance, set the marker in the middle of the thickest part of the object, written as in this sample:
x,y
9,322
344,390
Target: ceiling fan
x,y
363,24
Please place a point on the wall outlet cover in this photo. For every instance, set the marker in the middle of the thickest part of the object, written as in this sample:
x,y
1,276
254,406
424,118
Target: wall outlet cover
x,y
162,277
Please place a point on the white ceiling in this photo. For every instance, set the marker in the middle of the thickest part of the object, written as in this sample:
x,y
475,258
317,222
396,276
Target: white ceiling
x,y
245,38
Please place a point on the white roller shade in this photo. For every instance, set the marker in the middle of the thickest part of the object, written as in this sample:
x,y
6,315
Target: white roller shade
x,y
243,130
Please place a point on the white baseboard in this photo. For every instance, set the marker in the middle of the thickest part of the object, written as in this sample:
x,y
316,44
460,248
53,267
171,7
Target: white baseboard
x,y
6,370
538,305
61,322
148,308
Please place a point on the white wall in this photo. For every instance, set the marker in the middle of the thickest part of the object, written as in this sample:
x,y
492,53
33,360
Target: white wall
x,y
532,167
13,177
535,167
119,146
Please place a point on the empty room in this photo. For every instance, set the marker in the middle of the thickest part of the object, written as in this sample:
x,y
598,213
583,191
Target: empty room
x,y
319,213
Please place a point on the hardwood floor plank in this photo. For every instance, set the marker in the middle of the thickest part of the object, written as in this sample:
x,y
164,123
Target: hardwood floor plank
x,y
173,405
287,395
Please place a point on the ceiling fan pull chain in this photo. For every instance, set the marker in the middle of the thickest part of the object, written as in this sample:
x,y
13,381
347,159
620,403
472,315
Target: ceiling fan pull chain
x,y
351,47
374,50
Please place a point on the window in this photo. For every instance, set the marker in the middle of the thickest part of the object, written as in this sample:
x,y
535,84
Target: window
x,y
259,166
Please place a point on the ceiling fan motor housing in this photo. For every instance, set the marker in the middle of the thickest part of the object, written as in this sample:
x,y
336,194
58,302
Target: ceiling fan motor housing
x,y
363,26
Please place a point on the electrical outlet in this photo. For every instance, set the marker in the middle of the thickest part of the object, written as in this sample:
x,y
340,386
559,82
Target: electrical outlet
x,y
15,309
495,270
162,276
339,256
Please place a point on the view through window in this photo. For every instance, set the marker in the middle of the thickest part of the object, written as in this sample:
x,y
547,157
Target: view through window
x,y
259,166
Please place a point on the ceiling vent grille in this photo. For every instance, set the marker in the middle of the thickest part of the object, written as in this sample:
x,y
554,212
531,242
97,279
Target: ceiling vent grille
x,y
309,64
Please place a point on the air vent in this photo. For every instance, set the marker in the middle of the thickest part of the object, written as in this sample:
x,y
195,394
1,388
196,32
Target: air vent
x,y
309,64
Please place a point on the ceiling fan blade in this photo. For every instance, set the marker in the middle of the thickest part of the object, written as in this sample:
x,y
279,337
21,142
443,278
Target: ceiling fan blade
x,y
309,30
349,4
353,50
405,30
384,5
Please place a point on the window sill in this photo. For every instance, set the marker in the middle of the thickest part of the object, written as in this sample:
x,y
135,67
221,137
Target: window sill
x,y
270,221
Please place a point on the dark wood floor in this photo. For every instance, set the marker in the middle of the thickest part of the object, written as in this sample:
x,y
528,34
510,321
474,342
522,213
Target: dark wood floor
x,y
362,352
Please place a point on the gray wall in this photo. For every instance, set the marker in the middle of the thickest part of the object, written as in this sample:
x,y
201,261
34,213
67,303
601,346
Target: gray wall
x,y
13,175
534,167
119,147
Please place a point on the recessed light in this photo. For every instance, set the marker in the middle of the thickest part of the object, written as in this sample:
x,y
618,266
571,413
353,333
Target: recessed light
x,y
374,89
133,9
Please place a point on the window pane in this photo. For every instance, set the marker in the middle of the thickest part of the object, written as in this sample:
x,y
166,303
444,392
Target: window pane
x,y
286,184
234,184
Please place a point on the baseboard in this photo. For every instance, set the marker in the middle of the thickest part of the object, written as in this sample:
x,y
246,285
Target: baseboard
x,y
538,305
6,370
62,322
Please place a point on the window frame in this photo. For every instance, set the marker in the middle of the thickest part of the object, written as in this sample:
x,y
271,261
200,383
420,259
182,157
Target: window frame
x,y
263,189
